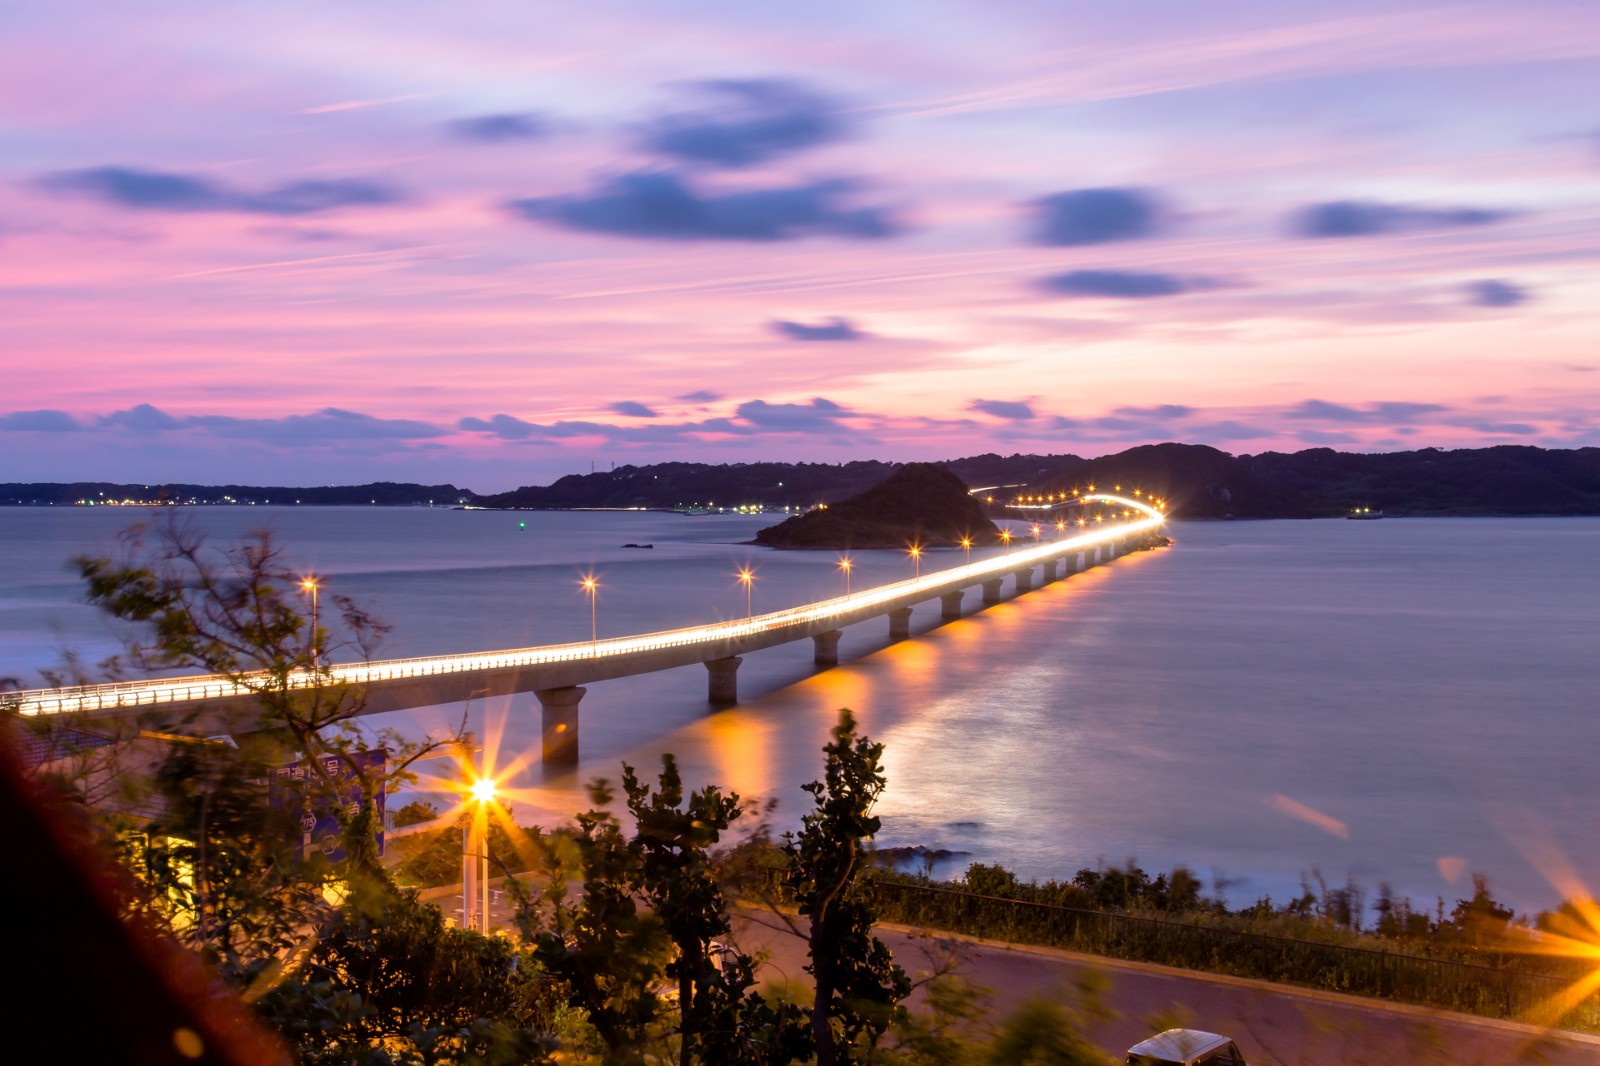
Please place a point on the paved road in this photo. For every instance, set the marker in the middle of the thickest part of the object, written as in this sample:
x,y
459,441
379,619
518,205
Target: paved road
x,y
1273,1025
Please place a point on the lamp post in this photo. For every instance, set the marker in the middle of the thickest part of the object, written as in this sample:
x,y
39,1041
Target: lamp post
x,y
966,551
915,551
845,564
475,845
1036,532
309,584
747,578
1005,537
592,587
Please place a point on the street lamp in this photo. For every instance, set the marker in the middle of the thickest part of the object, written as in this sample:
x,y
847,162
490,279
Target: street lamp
x,y
1005,537
475,844
309,584
592,587
915,552
966,551
747,578
1061,527
845,564
1036,532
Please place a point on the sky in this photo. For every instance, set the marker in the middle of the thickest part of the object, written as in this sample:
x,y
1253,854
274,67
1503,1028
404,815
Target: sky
x,y
494,243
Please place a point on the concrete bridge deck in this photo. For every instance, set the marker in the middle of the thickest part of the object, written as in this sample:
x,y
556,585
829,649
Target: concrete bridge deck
x,y
557,673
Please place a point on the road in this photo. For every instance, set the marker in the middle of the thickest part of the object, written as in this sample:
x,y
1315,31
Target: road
x,y
1273,1025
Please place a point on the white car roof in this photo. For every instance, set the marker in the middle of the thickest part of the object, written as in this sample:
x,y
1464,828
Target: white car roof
x,y
1179,1044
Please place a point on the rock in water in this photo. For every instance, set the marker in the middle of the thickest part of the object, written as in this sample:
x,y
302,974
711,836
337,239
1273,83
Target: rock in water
x,y
918,504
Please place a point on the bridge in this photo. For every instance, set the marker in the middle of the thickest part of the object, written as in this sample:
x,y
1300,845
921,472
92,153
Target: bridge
x,y
556,674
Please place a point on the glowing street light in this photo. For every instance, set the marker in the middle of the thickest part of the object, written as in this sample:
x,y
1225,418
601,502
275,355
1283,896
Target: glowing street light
x,y
480,793
966,550
309,584
592,587
1061,527
915,551
1036,532
1005,537
747,578
845,564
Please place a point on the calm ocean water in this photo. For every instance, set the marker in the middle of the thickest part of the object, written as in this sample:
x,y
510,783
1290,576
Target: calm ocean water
x,y
1405,700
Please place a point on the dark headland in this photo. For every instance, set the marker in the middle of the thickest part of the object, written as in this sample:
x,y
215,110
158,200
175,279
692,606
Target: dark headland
x,y
1196,480
919,503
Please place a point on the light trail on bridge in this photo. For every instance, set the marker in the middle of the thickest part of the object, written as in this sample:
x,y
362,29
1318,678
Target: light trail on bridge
x,y
847,609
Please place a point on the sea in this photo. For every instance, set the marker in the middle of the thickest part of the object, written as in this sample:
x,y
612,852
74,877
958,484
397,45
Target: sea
x,y
1275,705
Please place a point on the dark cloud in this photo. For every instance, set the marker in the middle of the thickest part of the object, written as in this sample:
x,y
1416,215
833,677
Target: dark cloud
x,y
1094,216
330,423
752,418
657,205
835,329
505,127
1121,284
747,122
151,190
1371,414
1159,412
141,418
1014,410
1367,218
818,414
1492,292
1321,436
633,409
700,396
39,422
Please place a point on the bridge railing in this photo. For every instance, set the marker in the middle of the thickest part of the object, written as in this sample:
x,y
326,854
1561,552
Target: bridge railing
x,y
155,691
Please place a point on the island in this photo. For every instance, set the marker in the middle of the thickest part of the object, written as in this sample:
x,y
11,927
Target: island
x,y
920,504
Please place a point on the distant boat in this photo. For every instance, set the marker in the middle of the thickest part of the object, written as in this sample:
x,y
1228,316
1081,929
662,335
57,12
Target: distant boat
x,y
1364,514
632,545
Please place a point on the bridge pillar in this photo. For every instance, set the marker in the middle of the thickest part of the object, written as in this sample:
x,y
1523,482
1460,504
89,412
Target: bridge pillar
x,y
950,605
558,714
1069,565
825,648
723,689
1048,574
900,623
991,592
1024,580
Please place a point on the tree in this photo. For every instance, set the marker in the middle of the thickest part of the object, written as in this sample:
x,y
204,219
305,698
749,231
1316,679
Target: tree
x,y
347,965
858,986
722,1021
607,950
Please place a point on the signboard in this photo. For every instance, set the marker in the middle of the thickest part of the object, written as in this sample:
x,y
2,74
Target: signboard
x,y
320,826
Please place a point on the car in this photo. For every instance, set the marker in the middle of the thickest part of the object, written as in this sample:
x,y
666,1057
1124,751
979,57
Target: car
x,y
1186,1047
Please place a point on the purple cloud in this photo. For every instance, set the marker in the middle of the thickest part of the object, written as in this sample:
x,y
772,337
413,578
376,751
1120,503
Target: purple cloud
x,y
1367,218
700,396
1373,413
1492,292
1094,216
656,205
150,190
633,409
835,329
1120,284
750,122
505,127
818,414
1012,410
39,422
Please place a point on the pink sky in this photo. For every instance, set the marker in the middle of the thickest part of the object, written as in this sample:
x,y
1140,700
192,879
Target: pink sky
x,y
310,244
